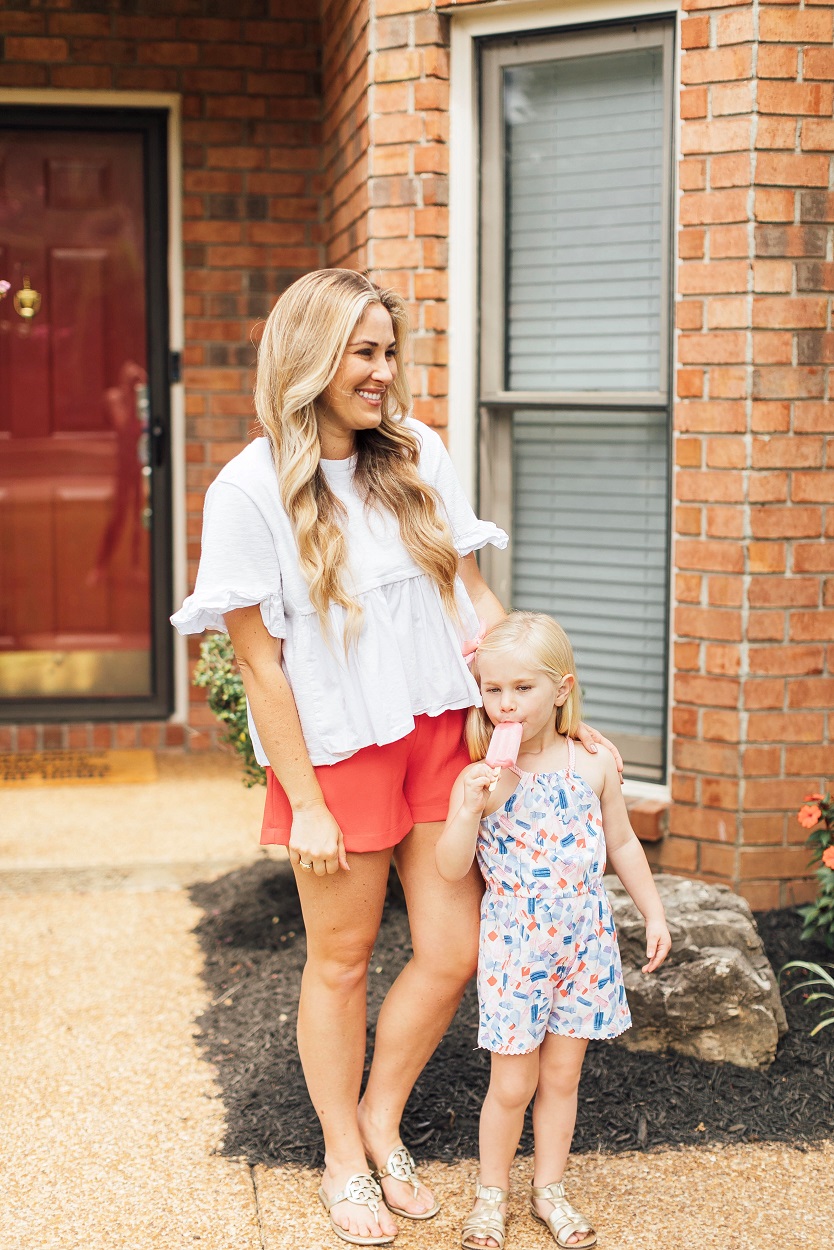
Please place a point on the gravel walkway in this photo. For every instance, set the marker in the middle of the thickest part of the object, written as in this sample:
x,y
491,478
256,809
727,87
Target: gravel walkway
x,y
732,1198
114,1131
109,1121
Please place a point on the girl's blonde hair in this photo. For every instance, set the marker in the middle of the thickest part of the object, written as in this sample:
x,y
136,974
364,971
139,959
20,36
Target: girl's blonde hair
x,y
535,640
303,342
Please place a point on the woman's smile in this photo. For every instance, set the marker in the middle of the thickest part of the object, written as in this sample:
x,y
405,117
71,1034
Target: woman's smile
x,y
371,397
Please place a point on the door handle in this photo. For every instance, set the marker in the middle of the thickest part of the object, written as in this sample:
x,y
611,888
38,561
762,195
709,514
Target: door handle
x,y
27,300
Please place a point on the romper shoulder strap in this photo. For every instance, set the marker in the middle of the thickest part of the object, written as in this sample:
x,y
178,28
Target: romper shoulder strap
x,y
571,755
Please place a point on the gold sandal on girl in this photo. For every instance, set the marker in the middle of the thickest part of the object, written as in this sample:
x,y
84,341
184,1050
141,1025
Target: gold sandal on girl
x,y
400,1166
489,1221
362,1189
564,1220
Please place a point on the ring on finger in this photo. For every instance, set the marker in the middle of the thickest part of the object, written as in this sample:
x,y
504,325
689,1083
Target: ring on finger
x,y
306,867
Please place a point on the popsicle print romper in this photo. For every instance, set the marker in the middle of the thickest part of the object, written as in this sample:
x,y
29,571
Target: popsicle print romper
x,y
549,959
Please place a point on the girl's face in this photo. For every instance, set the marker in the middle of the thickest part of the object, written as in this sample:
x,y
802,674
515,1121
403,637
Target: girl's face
x,y
353,400
514,691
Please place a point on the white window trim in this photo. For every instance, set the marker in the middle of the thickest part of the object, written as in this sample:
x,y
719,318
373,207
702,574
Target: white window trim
x,y
467,26
171,103
634,789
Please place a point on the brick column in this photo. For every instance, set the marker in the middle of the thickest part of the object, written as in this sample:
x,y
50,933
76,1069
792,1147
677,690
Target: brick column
x,y
408,218
346,133
386,161
751,685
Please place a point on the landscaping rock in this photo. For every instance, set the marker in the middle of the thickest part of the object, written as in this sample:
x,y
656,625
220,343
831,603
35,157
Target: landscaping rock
x,y
716,997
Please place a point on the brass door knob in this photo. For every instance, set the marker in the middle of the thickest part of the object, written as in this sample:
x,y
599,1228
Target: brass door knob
x,y
27,301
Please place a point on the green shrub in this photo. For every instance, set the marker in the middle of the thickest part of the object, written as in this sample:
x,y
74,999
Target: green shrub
x,y
817,815
217,673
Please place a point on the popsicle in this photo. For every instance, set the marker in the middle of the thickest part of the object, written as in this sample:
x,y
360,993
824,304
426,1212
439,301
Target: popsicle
x,y
503,746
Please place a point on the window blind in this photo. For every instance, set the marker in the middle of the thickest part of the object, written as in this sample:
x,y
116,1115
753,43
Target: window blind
x,y
584,207
589,547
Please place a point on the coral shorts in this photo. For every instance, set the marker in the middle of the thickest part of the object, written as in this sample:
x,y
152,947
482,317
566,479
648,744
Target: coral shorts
x,y
380,792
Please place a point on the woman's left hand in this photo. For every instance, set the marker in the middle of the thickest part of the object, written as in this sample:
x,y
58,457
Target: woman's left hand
x,y
591,739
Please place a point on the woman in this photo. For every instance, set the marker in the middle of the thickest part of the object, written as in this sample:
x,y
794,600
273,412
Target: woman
x,y
338,551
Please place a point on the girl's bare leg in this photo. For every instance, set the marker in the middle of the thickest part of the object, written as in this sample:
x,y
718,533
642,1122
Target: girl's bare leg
x,y
341,917
418,1008
554,1113
512,1083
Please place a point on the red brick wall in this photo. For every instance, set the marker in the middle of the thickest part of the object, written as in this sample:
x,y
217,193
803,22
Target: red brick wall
x,y
386,123
346,132
251,106
753,586
408,220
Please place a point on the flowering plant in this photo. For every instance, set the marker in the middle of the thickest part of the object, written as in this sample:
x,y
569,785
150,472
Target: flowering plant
x,y
817,815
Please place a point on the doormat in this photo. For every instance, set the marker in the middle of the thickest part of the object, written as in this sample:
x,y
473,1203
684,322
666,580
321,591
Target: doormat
x,y
46,768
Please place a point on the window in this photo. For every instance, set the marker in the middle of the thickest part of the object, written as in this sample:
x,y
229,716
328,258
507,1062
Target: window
x,y
574,378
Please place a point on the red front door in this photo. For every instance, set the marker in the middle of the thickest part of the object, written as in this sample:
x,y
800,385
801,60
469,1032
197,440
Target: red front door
x,y
76,597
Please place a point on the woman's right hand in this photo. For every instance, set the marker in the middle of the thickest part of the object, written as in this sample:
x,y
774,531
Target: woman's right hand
x,y
317,840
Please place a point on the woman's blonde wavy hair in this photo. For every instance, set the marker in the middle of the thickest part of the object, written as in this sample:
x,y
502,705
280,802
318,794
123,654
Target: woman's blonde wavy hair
x,y
303,342
537,641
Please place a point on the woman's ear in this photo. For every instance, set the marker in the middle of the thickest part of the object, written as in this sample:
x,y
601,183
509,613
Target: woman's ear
x,y
564,688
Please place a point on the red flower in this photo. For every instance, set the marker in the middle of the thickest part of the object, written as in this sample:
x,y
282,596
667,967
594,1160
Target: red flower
x,y
813,798
828,857
809,817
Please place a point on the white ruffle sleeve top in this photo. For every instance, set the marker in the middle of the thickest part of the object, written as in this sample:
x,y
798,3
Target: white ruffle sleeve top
x,y
407,660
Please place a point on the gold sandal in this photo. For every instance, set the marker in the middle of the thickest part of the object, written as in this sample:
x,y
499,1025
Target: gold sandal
x,y
362,1189
400,1166
488,1222
564,1220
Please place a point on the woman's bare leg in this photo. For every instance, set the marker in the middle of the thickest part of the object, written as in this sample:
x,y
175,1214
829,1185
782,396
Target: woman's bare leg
x,y
341,917
554,1112
418,1008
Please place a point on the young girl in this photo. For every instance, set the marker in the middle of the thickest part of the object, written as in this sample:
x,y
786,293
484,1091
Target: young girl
x,y
549,974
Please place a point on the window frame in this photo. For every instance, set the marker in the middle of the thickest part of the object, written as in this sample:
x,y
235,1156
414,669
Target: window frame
x,y
496,403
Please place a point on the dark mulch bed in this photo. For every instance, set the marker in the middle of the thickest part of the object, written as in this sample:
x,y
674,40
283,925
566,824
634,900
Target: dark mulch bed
x,y
253,942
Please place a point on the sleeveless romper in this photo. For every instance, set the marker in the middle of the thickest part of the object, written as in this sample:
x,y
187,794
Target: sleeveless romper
x,y
548,959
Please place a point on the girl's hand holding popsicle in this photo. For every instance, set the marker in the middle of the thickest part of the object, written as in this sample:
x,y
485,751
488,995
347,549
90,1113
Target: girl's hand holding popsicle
x,y
478,782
